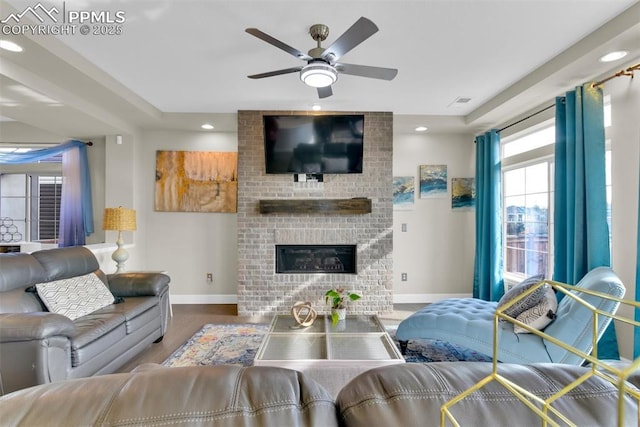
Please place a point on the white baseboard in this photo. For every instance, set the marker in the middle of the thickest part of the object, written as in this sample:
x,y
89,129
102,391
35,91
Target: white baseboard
x,y
424,298
233,299
204,299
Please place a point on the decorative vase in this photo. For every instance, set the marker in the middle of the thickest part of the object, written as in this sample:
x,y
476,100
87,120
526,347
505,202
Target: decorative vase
x,y
340,312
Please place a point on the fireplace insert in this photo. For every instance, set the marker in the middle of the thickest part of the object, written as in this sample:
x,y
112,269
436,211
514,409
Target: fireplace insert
x,y
316,259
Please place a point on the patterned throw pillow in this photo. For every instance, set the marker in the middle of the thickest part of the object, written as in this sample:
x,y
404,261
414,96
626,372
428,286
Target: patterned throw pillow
x,y
75,297
539,316
527,302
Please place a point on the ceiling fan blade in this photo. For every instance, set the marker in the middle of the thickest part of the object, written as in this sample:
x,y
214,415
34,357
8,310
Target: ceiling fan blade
x,y
367,71
324,92
277,43
275,73
356,34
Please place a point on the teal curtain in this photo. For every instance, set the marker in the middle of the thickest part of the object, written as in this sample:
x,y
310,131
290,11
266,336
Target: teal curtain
x,y
581,233
487,274
76,208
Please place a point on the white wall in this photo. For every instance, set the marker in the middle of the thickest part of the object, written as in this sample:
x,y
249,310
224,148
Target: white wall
x,y
96,156
187,245
625,164
437,249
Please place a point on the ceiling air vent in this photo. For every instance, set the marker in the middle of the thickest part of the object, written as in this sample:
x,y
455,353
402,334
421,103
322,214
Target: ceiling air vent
x,y
459,101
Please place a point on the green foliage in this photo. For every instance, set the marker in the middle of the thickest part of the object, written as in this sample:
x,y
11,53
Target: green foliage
x,y
338,297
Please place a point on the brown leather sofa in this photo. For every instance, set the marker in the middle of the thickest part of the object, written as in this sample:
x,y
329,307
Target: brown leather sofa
x,y
399,395
38,346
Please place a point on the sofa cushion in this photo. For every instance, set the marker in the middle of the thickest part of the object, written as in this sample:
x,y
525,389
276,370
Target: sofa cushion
x,y
17,271
540,315
137,311
75,297
412,394
222,396
574,325
95,334
525,303
63,263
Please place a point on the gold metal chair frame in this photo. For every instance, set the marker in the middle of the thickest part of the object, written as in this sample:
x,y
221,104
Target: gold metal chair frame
x,y
543,407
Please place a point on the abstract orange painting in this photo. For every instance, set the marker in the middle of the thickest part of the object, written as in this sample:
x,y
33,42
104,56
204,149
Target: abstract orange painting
x,y
196,181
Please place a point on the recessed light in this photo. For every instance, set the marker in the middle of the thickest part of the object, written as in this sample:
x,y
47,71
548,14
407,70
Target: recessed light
x,y
614,56
10,46
316,107
421,129
207,126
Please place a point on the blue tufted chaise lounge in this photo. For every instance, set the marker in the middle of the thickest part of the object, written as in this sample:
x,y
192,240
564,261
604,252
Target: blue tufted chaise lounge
x,y
469,322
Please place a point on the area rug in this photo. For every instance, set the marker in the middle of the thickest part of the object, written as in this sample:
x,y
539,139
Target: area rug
x,y
237,344
220,344
422,351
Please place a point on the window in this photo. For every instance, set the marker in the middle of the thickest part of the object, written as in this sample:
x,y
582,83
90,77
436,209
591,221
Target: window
x,y
49,190
30,201
527,200
607,130
527,189
29,207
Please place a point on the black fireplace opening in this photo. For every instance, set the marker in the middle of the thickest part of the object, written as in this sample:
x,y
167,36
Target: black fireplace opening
x,y
307,259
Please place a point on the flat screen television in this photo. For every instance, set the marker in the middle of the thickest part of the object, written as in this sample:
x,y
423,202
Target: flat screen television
x,y
313,144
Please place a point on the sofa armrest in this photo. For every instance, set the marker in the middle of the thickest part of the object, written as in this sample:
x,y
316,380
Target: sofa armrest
x,y
34,326
138,284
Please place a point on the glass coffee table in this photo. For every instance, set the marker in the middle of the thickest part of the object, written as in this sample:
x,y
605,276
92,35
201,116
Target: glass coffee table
x,y
331,355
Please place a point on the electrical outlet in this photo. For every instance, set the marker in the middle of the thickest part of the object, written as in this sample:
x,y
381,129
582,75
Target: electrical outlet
x,y
210,277
404,227
404,277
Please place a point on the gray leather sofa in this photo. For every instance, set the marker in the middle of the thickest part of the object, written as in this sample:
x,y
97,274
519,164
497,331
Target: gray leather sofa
x,y
397,395
37,346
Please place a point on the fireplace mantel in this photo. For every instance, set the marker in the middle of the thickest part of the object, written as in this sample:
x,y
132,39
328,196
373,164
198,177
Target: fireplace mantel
x,y
355,206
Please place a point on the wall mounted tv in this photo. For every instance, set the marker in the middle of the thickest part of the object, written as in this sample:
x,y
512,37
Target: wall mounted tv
x,y
313,144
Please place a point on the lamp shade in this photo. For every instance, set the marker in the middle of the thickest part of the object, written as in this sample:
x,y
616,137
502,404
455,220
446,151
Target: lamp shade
x,y
119,219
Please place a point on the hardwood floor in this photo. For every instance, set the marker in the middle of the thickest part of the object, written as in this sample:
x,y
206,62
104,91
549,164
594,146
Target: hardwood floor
x,y
189,318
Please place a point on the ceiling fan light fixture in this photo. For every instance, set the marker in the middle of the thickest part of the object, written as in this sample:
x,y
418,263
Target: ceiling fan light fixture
x,y
318,74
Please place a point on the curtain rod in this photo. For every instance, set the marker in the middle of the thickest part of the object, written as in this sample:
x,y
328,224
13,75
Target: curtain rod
x,y
528,117
626,72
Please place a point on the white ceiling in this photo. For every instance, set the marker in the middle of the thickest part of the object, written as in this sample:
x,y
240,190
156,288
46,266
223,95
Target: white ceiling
x,y
179,63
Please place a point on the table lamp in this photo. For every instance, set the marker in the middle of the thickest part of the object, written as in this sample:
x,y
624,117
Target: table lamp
x,y
119,219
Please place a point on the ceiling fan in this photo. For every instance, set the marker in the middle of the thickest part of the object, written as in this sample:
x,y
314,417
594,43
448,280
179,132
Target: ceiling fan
x,y
322,68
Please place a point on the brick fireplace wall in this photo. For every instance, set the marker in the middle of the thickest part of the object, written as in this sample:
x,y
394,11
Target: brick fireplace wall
x,y
260,290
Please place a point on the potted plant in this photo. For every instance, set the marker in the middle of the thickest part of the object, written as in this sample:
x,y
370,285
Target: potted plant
x,y
337,297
